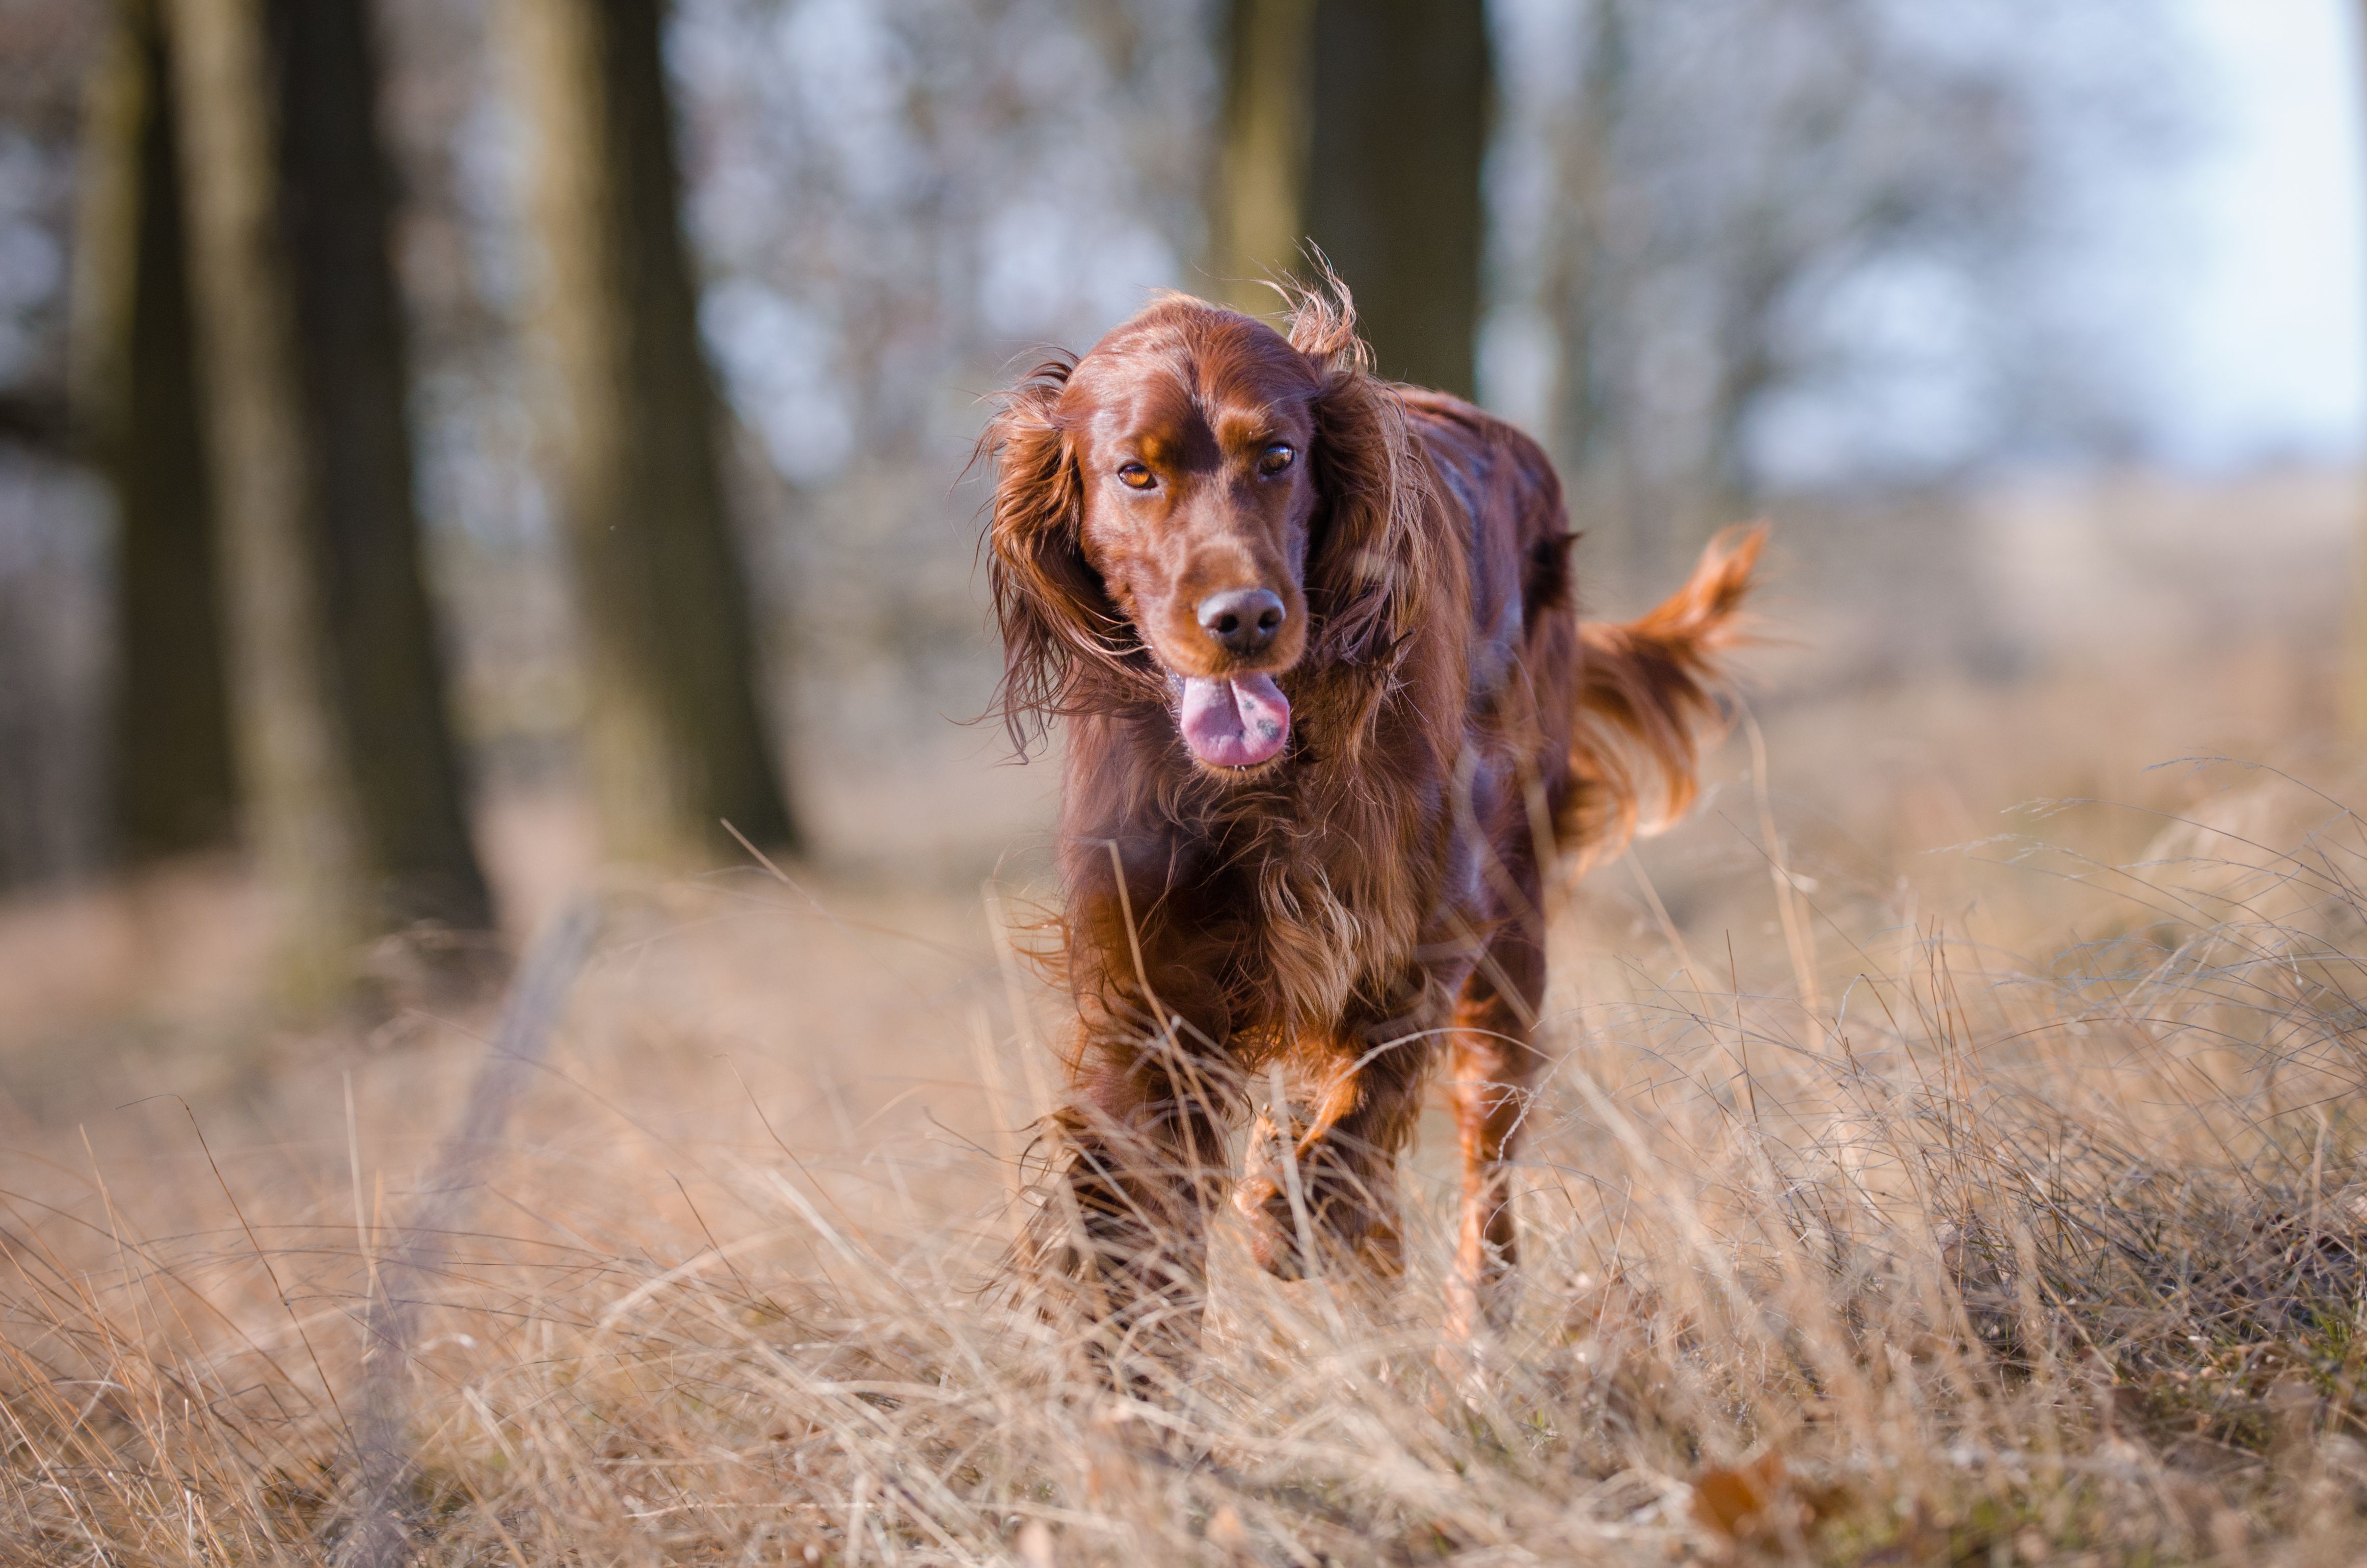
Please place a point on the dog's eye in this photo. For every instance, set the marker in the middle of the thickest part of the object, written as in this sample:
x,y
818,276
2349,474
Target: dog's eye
x,y
1276,458
1134,476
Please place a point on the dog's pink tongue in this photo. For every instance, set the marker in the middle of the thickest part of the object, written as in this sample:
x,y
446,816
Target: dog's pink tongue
x,y
1235,723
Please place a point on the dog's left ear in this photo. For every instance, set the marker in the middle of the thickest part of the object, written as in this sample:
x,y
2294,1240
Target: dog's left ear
x,y
1363,572
1054,615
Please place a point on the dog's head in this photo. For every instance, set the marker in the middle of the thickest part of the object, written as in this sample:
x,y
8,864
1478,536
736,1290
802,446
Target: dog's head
x,y
1198,503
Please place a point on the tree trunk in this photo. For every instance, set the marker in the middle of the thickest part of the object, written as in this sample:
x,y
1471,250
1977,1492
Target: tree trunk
x,y
1393,193
676,743
350,774
1257,210
356,379
135,407
1361,125
1580,284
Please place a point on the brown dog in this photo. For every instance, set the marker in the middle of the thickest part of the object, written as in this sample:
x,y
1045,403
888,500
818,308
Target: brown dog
x,y
1330,711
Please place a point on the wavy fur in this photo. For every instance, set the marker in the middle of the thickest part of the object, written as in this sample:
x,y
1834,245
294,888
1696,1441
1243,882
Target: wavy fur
x,y
1366,905
1648,690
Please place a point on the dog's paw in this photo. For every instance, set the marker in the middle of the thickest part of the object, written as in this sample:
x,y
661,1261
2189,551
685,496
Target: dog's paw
x,y
1352,1229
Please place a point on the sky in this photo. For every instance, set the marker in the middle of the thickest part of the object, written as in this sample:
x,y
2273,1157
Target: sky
x,y
2216,264
2264,241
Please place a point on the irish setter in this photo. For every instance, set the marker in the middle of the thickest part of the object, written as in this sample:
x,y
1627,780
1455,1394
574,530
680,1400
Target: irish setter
x,y
1330,711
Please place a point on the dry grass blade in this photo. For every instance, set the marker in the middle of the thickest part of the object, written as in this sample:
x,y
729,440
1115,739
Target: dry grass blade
x,y
380,1538
2017,1258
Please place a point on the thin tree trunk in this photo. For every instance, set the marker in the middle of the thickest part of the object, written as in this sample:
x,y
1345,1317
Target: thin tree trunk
x,y
1400,104
1579,282
349,774
1257,209
135,407
675,741
1360,125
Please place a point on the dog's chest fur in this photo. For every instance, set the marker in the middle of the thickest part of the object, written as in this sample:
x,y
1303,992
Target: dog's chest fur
x,y
1341,880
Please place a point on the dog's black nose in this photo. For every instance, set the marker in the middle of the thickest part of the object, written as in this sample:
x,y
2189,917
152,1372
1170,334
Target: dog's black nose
x,y
1243,620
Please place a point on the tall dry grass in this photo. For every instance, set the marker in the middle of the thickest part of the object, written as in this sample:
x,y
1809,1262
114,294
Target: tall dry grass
x,y
2003,1253
1999,1202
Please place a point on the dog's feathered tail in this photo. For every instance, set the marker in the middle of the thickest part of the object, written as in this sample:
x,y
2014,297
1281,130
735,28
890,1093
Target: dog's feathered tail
x,y
1648,689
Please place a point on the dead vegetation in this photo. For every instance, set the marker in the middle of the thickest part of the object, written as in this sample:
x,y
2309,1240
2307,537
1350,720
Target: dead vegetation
x,y
1981,1257
2001,1203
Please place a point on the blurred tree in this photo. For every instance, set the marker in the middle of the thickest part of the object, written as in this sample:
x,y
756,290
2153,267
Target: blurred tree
x,y
351,780
678,744
1257,210
136,410
53,523
1723,176
1360,125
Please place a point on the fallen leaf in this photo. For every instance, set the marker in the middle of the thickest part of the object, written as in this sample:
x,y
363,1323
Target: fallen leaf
x,y
1751,1503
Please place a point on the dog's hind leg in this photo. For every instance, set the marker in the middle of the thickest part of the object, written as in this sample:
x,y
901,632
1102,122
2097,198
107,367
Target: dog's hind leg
x,y
1496,1067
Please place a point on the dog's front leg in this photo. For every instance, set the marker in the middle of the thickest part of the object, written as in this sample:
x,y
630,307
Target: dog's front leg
x,y
1143,1159
1350,1115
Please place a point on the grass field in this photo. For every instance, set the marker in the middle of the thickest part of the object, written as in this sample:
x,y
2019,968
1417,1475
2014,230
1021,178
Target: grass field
x,y
1939,1164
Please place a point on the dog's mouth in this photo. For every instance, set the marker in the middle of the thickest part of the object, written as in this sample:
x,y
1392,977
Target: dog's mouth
x,y
1238,723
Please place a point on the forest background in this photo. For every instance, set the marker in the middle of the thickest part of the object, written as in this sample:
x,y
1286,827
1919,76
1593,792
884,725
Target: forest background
x,y
456,458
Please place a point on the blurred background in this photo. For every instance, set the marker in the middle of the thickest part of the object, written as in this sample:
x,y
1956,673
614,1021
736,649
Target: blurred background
x,y
457,456
450,448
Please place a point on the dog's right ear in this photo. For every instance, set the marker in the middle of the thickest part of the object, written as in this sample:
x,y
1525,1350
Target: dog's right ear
x,y
1055,616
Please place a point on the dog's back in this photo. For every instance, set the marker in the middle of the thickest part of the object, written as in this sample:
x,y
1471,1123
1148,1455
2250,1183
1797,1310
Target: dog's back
x,y
1617,706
